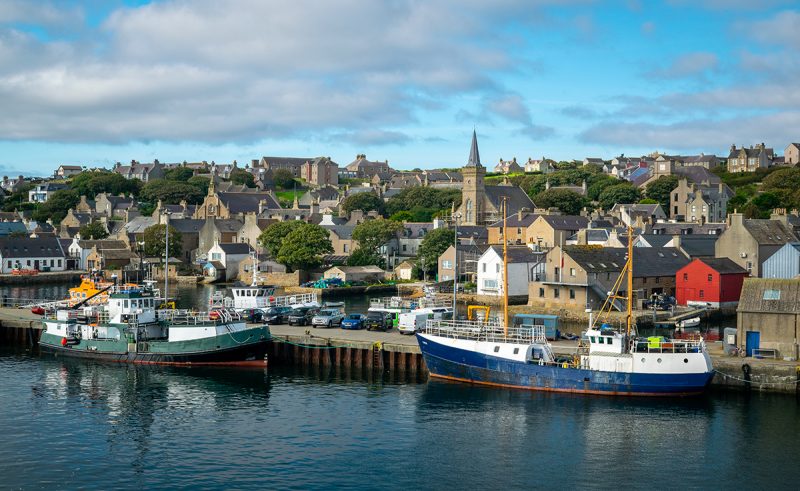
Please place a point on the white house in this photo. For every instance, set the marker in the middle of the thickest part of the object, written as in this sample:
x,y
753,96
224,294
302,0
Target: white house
x,y
41,253
229,256
629,213
524,266
42,192
80,249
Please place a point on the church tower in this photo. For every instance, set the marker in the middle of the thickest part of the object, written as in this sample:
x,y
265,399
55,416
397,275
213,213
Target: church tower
x,y
474,195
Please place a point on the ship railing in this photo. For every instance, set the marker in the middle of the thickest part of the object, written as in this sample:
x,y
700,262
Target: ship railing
x,y
408,303
289,300
27,302
184,317
643,345
491,331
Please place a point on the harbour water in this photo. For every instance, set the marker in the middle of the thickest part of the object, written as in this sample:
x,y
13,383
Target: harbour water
x,y
70,424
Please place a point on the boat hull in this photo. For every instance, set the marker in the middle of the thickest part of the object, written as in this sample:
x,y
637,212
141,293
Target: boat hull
x,y
462,365
248,347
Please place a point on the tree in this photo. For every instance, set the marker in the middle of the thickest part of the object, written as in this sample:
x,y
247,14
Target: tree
x,y
619,193
788,178
599,184
56,206
178,174
569,202
372,234
402,216
661,189
171,192
200,182
283,178
92,183
19,197
155,241
272,237
304,247
648,201
426,200
363,257
241,176
362,201
433,245
93,231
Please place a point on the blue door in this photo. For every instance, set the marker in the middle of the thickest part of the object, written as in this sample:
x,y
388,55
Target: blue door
x,y
751,341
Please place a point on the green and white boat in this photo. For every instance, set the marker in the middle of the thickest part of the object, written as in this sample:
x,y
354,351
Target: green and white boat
x,y
129,329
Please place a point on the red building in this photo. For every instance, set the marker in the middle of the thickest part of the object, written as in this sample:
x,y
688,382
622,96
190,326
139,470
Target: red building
x,y
713,282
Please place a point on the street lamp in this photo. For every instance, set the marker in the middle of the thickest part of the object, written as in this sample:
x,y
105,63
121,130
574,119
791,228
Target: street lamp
x,y
167,213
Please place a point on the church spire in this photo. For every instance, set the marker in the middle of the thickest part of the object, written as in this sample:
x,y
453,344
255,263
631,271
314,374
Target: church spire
x,y
474,156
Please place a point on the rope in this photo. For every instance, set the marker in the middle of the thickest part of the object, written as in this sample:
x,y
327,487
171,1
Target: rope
x,y
755,382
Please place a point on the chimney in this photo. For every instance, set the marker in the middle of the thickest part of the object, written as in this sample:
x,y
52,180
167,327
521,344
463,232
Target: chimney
x,y
262,205
736,219
315,206
779,214
357,216
583,238
519,215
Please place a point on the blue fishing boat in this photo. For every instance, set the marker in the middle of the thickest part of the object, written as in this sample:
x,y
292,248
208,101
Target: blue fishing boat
x,y
611,361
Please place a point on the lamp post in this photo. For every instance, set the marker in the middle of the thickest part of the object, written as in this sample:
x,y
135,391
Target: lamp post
x,y
456,217
166,256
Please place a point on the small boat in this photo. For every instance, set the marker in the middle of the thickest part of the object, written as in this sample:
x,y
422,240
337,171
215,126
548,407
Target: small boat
x,y
37,310
333,304
692,322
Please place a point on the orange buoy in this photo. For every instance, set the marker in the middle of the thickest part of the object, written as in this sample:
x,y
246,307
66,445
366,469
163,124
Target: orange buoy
x,y
63,341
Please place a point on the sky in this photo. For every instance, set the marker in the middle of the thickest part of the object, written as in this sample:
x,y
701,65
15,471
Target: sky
x,y
99,81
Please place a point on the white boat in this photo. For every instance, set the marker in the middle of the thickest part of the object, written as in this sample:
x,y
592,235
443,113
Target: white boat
x,y
692,322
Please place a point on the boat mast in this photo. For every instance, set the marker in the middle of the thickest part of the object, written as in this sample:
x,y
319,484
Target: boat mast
x,y
505,268
630,279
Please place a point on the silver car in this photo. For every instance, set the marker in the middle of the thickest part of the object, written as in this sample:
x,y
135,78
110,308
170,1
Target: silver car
x,y
328,318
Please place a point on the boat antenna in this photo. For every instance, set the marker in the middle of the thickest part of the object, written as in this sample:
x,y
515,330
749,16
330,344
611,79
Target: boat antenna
x,y
255,268
505,268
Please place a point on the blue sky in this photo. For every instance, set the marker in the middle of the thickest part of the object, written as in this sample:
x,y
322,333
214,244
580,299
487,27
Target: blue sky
x,y
94,82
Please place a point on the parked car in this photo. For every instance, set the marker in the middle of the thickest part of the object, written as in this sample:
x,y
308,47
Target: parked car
x,y
354,321
252,315
328,318
378,321
276,315
301,316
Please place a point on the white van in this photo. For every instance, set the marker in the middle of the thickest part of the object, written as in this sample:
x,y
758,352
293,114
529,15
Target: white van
x,y
411,322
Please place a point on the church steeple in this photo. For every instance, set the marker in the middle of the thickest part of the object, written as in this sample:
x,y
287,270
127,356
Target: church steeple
x,y
474,156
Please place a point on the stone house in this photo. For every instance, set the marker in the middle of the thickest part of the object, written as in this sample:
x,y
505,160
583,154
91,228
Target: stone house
x,y
750,242
367,274
508,167
404,270
342,239
321,171
80,249
219,204
768,316
580,277
791,155
112,206
702,160
632,214
541,165
553,230
138,170
229,256
65,171
516,228
699,203
189,229
749,159
468,256
361,167
217,231
12,185
109,259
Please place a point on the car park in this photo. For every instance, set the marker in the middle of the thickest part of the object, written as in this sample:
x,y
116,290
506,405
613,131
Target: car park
x,y
354,321
276,315
327,318
378,321
301,316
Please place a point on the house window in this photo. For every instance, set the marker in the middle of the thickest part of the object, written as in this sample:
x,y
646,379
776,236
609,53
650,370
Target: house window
x,y
749,267
556,272
484,267
571,294
490,284
685,276
497,266
59,263
658,279
702,293
344,247
556,292
216,256
709,278
541,290
28,262
405,248
572,271
446,264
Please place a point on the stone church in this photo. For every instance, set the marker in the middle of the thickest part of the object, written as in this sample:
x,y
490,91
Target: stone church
x,y
482,204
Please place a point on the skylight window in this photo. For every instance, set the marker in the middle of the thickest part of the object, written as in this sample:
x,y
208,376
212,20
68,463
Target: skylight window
x,y
772,295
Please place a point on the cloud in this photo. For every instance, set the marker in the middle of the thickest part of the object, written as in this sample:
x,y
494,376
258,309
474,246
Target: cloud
x,y
579,112
242,71
696,134
509,106
782,29
729,4
374,137
536,132
688,65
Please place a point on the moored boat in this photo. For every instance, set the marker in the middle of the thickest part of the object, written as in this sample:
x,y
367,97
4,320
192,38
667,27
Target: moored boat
x,y
129,329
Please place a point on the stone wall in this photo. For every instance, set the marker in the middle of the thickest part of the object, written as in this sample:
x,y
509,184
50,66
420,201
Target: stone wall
x,y
285,279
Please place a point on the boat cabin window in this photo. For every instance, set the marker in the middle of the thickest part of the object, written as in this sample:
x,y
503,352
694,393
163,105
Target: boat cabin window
x,y
610,341
600,340
125,304
516,351
496,349
592,339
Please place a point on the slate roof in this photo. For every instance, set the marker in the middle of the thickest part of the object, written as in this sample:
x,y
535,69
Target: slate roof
x,y
593,235
344,232
698,245
24,247
769,232
694,228
187,225
566,222
138,224
246,202
517,198
474,232
656,240
647,261
236,248
359,269
519,254
116,253
752,297
474,159
515,221
413,229
103,244
227,224
723,265
697,174
285,161
8,228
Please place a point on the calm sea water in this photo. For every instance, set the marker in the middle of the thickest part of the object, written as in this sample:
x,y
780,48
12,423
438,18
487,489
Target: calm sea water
x,y
70,424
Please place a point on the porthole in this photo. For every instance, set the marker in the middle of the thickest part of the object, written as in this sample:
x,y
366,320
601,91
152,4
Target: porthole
x,y
659,360
686,360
